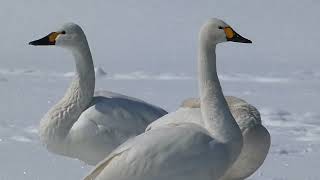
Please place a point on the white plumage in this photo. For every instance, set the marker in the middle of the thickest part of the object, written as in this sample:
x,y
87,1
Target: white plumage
x,y
184,151
87,126
256,138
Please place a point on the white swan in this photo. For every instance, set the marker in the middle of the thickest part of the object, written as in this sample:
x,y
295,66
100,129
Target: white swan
x,y
185,151
256,138
85,126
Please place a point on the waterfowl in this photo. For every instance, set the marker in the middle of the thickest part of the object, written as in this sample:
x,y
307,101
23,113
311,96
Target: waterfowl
x,y
84,124
256,138
185,151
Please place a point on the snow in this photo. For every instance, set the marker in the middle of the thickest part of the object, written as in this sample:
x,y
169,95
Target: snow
x,y
147,49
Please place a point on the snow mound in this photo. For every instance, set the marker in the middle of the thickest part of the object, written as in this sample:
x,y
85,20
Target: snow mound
x,y
99,72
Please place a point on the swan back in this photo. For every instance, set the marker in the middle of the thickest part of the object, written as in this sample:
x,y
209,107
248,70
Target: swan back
x,y
244,113
110,120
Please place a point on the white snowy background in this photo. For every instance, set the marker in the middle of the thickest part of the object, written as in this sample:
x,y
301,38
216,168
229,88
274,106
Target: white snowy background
x,y
148,50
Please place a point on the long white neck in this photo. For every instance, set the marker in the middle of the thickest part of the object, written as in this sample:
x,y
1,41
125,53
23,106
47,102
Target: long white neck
x,y
217,117
56,124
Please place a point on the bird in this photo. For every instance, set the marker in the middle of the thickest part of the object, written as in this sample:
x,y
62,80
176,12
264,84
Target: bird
x,y
185,151
256,138
85,124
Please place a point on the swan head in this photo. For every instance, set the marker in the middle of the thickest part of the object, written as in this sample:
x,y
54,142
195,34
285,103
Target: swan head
x,y
70,35
216,31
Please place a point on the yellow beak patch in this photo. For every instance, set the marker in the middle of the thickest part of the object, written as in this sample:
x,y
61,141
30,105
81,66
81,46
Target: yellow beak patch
x,y
53,36
229,32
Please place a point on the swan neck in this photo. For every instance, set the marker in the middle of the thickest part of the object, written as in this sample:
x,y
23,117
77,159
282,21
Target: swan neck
x,y
83,61
214,108
56,124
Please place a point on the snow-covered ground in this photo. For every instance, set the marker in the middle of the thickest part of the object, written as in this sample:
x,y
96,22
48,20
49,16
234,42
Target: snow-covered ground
x,y
147,49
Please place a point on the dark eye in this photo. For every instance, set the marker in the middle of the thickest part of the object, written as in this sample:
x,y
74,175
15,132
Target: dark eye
x,y
63,32
220,27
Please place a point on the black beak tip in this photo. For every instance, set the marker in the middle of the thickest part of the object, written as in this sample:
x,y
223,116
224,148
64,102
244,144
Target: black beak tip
x,y
241,40
249,41
41,42
35,43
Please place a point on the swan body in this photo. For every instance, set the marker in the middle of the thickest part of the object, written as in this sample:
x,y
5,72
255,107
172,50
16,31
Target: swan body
x,y
256,138
185,151
84,124
157,155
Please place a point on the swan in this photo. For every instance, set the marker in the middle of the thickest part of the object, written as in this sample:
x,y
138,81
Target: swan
x,y
185,151
256,138
87,125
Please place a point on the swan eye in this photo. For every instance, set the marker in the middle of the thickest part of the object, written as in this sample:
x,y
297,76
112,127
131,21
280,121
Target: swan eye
x,y
63,32
220,27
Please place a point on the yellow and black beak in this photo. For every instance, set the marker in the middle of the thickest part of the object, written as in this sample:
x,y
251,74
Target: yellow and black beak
x,y
235,37
50,39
